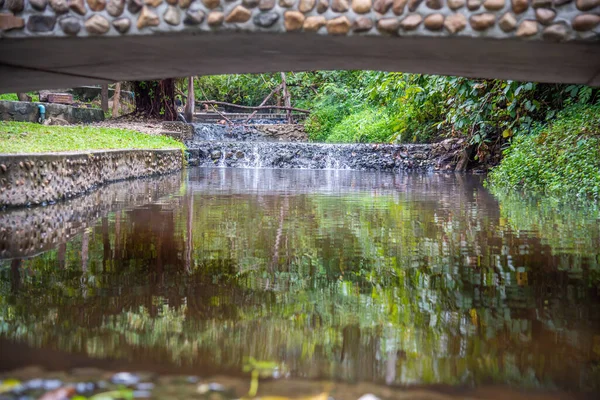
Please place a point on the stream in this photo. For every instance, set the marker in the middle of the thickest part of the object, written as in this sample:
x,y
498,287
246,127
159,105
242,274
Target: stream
x,y
399,285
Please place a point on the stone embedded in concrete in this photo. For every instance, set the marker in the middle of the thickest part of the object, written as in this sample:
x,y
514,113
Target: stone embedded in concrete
x,y
314,23
250,3
585,22
541,3
39,5
306,5
134,6
238,14
411,22
413,5
185,3
122,25
339,26
544,15
41,23
382,6
172,16
293,20
70,25
398,6
555,33
388,25
97,25
115,7
481,22
193,17
266,5
287,3
266,19
434,22
9,21
474,5
153,3
527,28
59,6
494,5
215,18
455,23
362,24
15,6
339,5
456,4
147,18
78,6
434,4
322,6
361,6
96,5
586,5
507,22
211,4
519,6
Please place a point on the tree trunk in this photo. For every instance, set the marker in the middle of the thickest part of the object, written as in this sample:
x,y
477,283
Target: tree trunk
x,y
156,99
116,100
286,98
189,105
23,97
104,97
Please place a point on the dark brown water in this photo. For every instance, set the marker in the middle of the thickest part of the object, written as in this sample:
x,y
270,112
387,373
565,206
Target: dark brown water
x,y
335,275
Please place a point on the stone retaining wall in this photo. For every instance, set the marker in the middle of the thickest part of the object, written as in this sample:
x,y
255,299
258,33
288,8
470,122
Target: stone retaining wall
x,y
24,111
30,179
283,132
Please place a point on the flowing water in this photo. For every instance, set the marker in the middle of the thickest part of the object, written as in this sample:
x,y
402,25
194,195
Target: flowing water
x,y
392,280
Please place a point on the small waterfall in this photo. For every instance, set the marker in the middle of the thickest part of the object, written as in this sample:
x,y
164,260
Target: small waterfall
x,y
311,155
224,133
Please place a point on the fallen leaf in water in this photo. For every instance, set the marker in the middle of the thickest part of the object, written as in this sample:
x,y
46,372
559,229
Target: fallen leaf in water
x,y
125,394
9,384
59,394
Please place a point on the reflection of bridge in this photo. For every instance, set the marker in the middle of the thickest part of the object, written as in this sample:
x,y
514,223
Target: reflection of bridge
x,y
98,40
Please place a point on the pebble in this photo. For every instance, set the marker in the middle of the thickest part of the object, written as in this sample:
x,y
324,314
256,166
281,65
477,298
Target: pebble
x,y
125,378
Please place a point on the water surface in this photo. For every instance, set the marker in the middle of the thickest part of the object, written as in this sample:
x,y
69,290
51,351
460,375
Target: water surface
x,y
392,279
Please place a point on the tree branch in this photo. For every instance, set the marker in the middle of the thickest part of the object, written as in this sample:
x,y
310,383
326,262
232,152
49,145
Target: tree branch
x,y
222,103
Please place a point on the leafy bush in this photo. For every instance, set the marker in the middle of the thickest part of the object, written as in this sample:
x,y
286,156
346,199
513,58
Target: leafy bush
x,y
560,158
367,126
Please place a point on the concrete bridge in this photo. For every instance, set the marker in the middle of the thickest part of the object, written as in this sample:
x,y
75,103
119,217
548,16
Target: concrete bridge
x,y
66,43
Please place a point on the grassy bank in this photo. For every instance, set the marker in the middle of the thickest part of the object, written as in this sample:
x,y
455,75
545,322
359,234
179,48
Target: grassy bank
x,y
25,137
561,158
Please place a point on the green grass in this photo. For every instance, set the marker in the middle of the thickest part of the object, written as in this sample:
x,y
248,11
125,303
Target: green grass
x,y
26,137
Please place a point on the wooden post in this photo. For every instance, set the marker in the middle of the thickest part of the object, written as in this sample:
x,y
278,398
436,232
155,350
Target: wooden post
x,y
104,97
116,100
190,103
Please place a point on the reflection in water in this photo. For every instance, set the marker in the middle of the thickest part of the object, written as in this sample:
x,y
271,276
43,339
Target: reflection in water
x,y
397,279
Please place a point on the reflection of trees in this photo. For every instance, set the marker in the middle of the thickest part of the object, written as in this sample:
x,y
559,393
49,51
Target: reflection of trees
x,y
361,287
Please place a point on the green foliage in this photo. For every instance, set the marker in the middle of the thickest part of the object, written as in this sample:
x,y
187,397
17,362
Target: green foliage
x,y
13,96
560,158
367,126
25,137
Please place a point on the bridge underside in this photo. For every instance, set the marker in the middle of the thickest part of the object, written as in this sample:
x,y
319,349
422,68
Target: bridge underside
x,y
37,63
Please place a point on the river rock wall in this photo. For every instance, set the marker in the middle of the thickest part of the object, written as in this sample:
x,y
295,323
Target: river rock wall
x,y
24,111
283,132
30,179
364,157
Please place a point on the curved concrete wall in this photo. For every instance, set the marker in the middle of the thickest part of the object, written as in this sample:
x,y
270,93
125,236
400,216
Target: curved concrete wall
x,y
140,39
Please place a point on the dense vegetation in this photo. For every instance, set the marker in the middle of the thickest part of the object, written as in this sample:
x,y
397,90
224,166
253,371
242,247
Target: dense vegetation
x,y
25,137
559,158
